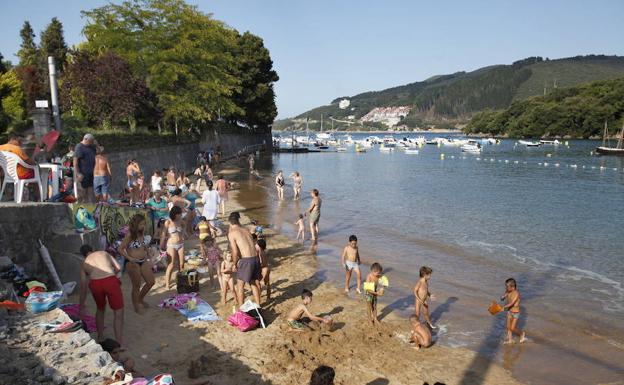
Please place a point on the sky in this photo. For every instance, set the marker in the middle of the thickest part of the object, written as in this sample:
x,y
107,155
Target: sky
x,y
325,49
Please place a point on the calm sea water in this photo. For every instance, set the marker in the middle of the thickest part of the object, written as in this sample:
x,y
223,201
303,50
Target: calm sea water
x,y
476,220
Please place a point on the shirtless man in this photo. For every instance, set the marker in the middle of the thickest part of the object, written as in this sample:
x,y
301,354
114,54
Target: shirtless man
x,y
244,258
421,335
171,180
351,261
98,273
101,175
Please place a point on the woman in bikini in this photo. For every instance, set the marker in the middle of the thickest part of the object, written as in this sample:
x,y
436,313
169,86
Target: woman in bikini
x,y
315,213
172,239
297,182
135,249
279,185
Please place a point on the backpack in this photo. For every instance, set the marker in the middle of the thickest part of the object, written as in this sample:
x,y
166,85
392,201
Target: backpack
x,y
84,219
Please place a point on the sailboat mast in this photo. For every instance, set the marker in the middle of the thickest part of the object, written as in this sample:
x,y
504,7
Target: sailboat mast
x,y
605,135
621,138
321,122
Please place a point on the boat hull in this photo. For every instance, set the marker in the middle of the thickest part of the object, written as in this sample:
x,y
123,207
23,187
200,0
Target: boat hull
x,y
610,151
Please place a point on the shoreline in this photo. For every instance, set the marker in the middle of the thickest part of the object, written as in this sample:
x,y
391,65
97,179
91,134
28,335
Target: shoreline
x,y
223,355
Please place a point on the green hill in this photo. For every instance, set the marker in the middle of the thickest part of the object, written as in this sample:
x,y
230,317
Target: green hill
x,y
576,112
455,98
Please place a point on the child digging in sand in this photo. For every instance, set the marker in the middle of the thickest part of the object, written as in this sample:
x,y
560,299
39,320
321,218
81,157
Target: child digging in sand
x,y
421,291
421,335
301,228
372,290
512,296
351,261
296,315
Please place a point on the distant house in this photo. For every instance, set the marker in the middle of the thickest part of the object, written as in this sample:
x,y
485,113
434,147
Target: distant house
x,y
344,103
390,116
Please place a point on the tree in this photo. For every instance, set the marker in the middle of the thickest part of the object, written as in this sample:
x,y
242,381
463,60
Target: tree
x,y
53,44
184,55
27,54
12,110
4,64
255,96
102,89
32,85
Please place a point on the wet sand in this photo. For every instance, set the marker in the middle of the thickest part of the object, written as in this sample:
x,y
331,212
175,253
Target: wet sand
x,y
161,340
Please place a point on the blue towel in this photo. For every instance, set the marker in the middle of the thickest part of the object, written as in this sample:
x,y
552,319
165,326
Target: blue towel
x,y
202,312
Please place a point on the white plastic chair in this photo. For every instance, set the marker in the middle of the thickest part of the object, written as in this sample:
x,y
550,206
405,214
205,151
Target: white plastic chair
x,y
9,162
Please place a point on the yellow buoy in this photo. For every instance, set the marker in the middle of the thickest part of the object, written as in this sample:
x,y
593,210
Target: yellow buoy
x,y
441,156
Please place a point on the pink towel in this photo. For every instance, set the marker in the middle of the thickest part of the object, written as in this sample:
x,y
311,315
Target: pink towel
x,y
73,310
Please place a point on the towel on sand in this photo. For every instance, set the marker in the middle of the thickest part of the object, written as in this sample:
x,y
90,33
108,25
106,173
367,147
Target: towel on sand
x,y
191,306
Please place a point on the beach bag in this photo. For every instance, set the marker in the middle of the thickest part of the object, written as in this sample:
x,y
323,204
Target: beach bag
x,y
42,302
187,281
84,219
242,321
495,308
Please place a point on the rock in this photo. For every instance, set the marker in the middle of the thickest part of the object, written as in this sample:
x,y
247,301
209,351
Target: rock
x,y
25,354
37,344
79,339
90,347
37,371
59,380
102,359
44,378
81,375
49,372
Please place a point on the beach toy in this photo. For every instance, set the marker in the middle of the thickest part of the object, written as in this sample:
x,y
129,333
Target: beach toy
x,y
495,308
383,281
369,286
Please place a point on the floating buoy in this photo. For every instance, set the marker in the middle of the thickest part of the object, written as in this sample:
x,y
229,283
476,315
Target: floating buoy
x,y
441,156
478,158
556,164
591,153
567,144
545,164
506,161
492,160
548,155
515,162
614,168
539,163
573,165
452,156
603,168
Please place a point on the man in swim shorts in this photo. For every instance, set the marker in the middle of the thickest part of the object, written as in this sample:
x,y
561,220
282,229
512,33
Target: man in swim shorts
x,y
98,273
244,258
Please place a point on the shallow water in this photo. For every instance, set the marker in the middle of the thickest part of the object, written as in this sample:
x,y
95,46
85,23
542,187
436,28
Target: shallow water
x,y
477,220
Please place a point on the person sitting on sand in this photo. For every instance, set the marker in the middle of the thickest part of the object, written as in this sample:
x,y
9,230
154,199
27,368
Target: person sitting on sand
x,y
228,277
323,375
371,293
296,315
98,273
421,292
351,261
116,352
512,295
421,335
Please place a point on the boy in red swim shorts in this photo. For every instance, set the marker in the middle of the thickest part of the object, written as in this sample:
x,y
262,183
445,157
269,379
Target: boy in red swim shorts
x,y
98,273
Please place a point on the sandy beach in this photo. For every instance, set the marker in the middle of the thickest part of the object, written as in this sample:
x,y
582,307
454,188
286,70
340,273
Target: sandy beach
x,y
161,340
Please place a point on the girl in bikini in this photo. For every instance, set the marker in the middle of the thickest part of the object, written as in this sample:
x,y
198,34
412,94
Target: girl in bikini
x,y
211,253
172,239
135,249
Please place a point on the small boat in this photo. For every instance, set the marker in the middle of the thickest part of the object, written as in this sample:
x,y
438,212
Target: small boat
x,y
374,139
359,148
348,139
384,148
550,142
411,151
473,148
529,143
606,148
490,141
341,149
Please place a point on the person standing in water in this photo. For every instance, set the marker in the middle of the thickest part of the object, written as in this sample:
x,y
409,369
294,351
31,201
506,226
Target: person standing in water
x,y
315,213
222,188
297,182
512,307
252,162
279,185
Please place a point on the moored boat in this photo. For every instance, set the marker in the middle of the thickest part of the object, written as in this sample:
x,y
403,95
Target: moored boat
x,y
529,143
606,148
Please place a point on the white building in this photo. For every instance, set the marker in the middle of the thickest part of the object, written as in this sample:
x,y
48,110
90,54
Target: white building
x,y
344,103
389,116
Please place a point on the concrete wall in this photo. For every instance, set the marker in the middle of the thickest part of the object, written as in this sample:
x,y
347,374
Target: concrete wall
x,y
22,225
180,156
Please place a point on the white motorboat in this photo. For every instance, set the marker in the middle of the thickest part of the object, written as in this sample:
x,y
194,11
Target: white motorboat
x,y
389,139
471,147
529,143
411,151
374,139
341,149
550,142
453,142
325,136
490,141
348,139
386,149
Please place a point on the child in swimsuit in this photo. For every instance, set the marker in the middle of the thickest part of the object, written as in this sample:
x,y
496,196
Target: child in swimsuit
x,y
420,335
227,277
512,307
301,228
351,261
295,317
211,253
264,267
371,295
421,292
